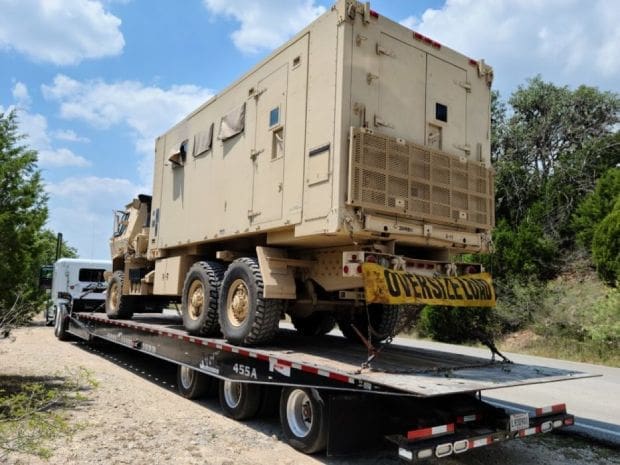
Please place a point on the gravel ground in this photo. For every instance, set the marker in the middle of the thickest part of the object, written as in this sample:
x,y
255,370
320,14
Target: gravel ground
x,y
134,416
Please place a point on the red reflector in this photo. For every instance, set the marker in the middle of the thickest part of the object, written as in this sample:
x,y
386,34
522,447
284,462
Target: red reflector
x,y
345,269
569,421
353,257
430,266
471,269
371,259
359,268
473,62
374,14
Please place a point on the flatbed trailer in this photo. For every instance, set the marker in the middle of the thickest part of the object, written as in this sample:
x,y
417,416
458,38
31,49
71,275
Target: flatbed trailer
x,y
427,403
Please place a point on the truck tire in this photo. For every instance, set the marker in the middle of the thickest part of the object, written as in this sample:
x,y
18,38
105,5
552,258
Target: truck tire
x,y
384,322
240,401
245,316
199,304
317,324
117,305
193,384
304,419
50,319
61,322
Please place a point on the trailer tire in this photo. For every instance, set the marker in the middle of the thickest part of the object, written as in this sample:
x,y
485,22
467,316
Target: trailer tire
x,y
193,384
199,304
61,322
240,401
304,419
317,324
117,305
384,322
245,316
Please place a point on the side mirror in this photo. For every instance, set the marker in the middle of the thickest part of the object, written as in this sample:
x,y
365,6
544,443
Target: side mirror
x,y
45,277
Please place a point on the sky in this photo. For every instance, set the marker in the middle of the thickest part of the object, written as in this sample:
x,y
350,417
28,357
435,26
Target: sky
x,y
94,82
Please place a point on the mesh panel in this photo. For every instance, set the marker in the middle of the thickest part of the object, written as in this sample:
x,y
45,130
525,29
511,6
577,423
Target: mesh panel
x,y
390,175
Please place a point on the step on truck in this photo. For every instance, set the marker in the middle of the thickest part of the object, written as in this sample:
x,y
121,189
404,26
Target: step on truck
x,y
337,182
331,395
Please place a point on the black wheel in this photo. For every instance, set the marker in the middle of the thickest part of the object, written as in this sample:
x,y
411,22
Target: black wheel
x,y
384,322
117,305
303,418
317,324
199,303
240,401
246,318
61,322
192,384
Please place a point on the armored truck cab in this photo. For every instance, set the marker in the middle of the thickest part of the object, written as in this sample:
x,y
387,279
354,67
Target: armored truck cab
x,y
358,141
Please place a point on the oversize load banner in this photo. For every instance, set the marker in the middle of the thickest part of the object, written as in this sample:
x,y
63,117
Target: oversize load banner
x,y
384,286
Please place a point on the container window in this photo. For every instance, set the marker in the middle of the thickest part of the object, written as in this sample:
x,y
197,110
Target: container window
x,y
441,112
274,117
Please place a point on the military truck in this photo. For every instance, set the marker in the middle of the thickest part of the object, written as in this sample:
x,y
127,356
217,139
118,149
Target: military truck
x,y
337,181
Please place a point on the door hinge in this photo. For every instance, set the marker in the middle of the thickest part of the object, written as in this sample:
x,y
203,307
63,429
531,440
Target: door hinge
x,y
256,93
252,214
465,148
465,85
384,51
255,153
371,77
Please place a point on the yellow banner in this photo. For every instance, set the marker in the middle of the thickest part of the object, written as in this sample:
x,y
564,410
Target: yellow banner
x,y
387,286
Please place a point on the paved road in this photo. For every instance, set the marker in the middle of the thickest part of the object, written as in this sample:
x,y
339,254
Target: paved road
x,y
595,402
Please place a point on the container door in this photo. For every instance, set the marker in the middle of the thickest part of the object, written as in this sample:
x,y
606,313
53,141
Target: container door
x,y
270,148
402,89
446,107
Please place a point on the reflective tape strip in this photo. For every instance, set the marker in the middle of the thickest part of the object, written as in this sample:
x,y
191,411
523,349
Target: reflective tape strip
x,y
529,431
558,408
473,443
430,432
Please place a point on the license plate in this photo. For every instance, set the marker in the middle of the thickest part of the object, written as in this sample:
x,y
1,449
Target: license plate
x,y
519,421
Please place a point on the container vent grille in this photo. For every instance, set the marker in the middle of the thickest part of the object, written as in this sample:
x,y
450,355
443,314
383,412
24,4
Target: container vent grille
x,y
389,175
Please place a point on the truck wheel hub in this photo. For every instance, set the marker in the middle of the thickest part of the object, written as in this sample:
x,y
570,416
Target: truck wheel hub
x,y
196,299
238,304
114,296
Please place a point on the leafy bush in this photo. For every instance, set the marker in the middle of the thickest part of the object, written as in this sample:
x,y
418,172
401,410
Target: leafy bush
x,y
606,247
522,253
455,324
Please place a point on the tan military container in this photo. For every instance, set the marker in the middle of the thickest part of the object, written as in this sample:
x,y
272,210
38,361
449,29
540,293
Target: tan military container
x,y
357,134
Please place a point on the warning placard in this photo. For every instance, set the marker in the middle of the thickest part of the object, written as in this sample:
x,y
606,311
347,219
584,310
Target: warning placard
x,y
386,286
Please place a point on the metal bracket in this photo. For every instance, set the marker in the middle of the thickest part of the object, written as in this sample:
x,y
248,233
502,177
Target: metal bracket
x,y
371,77
380,122
384,51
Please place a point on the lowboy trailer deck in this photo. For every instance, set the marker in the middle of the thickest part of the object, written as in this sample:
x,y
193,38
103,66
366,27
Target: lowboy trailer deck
x,y
425,402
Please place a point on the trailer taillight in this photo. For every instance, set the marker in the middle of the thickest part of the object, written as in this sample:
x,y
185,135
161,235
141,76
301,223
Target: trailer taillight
x,y
371,259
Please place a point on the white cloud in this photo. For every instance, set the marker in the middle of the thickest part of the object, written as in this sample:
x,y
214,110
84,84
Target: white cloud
x,y
21,95
62,32
69,136
265,24
81,208
34,127
61,157
148,111
565,41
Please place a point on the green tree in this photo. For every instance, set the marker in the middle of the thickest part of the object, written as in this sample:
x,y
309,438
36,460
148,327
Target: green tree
x,y
596,206
552,146
606,246
23,211
47,244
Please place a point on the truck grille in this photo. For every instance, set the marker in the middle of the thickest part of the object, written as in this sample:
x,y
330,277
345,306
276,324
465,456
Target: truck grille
x,y
391,175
